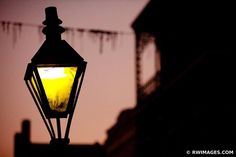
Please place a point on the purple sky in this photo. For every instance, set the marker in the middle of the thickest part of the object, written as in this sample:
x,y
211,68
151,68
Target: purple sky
x,y
109,80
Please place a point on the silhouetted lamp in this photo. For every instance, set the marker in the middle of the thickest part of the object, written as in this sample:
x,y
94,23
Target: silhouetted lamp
x,y
54,78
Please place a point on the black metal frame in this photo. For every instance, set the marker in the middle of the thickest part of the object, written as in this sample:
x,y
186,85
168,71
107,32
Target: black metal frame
x,y
54,52
37,91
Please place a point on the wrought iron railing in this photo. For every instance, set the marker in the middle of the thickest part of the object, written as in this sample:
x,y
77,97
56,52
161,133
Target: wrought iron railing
x,y
151,86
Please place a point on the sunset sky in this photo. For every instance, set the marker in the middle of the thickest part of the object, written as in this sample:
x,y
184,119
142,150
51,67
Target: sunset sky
x,y
109,85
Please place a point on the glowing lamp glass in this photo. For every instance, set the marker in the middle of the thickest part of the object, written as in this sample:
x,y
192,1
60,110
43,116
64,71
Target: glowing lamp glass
x,y
57,83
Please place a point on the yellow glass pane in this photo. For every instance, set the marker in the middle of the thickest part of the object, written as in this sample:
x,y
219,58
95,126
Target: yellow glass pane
x,y
57,83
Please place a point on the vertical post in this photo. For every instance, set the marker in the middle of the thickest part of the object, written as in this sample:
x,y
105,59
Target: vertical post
x,y
58,128
138,66
22,140
26,131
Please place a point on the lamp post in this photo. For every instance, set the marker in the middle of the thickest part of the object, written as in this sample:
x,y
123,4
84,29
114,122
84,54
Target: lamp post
x,y
54,78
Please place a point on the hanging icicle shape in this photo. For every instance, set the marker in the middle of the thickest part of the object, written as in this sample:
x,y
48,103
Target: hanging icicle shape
x,y
6,26
16,31
70,34
113,38
3,24
81,36
96,34
100,34
12,27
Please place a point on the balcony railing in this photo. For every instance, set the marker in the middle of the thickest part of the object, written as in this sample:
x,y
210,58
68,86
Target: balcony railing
x,y
150,86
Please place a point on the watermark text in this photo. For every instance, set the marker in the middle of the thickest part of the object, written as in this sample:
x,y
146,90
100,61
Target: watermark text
x,y
210,152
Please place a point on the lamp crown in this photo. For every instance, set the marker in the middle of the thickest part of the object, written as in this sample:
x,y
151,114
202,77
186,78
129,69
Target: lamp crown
x,y
51,16
52,30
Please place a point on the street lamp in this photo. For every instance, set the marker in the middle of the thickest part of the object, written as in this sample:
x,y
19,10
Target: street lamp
x,y
54,78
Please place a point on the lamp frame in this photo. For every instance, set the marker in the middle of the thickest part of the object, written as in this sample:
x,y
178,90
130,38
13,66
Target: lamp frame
x,y
54,53
42,103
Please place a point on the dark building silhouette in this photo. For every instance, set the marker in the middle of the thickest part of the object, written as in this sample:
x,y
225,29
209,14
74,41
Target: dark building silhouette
x,y
190,104
25,148
121,139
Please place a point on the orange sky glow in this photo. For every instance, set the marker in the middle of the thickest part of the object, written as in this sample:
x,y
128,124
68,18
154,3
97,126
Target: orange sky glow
x,y
109,83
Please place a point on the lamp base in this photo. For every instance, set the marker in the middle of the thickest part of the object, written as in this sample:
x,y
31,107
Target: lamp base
x,y
60,142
